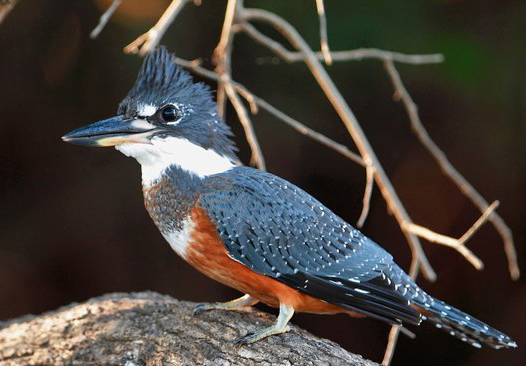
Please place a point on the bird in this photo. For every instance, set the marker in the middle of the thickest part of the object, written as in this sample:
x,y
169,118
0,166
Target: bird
x,y
252,230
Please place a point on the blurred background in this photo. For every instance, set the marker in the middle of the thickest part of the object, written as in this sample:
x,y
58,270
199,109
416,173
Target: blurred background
x,y
72,222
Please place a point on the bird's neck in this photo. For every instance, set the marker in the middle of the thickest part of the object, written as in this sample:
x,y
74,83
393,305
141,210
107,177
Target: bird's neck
x,y
166,153
170,199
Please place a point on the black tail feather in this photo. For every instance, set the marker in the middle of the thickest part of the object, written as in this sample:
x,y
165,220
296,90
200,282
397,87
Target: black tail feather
x,y
445,317
369,298
463,326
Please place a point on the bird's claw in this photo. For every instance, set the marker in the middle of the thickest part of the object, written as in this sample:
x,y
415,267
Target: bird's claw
x,y
246,339
199,309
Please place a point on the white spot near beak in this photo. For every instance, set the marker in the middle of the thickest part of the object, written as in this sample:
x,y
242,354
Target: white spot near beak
x,y
146,110
141,124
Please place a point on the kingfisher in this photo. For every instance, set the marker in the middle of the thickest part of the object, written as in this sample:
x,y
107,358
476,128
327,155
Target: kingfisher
x,y
252,230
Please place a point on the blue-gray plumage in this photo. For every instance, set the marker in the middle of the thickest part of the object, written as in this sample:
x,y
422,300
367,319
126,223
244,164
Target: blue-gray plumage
x,y
278,230
252,230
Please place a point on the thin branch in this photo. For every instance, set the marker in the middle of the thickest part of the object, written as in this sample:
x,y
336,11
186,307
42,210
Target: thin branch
x,y
149,40
222,59
104,18
448,241
350,55
324,42
309,132
249,97
5,8
257,156
457,244
223,54
448,169
374,53
351,123
298,126
367,194
481,220
392,339
226,33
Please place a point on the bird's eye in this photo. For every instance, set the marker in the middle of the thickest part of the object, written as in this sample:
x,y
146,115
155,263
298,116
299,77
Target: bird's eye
x,y
169,113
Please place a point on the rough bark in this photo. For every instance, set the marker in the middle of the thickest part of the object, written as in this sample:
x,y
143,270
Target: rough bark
x,y
151,329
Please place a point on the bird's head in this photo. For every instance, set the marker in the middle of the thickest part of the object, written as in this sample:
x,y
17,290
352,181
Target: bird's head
x,y
166,119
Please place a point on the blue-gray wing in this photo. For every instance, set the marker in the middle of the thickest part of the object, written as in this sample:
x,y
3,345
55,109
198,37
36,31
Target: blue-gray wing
x,y
278,230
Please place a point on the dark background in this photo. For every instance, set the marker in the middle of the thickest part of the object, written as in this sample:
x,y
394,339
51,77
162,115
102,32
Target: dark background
x,y
72,224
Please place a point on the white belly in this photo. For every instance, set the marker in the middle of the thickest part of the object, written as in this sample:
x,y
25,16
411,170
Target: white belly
x,y
180,240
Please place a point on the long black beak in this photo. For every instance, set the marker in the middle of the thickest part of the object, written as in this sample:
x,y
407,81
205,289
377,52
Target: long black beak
x,y
110,132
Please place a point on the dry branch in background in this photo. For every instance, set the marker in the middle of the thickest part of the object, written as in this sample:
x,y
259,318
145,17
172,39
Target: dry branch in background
x,y
151,329
149,40
324,41
238,18
450,171
104,18
5,8
222,59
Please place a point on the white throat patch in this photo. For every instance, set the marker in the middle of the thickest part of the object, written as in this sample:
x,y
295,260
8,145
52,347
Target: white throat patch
x,y
162,153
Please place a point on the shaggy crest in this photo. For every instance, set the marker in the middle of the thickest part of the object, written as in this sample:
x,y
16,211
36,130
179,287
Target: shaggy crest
x,y
161,81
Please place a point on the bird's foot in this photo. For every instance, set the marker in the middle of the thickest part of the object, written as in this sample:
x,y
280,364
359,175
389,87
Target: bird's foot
x,y
201,308
280,326
243,301
252,337
246,339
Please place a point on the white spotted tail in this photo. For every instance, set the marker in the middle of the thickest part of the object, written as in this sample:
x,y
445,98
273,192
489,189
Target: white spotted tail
x,y
457,323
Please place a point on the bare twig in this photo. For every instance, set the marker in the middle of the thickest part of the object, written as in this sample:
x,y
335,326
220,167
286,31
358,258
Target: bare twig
x,y
448,241
350,121
391,344
450,171
149,40
222,59
298,126
104,18
373,53
481,220
249,97
351,55
369,181
304,130
223,54
457,244
226,33
324,42
257,156
5,8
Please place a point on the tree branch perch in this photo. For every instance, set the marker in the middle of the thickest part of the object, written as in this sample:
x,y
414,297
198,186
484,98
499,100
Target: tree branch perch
x,y
151,329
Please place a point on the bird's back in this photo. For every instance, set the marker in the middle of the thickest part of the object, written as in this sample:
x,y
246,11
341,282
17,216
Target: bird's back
x,y
278,230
